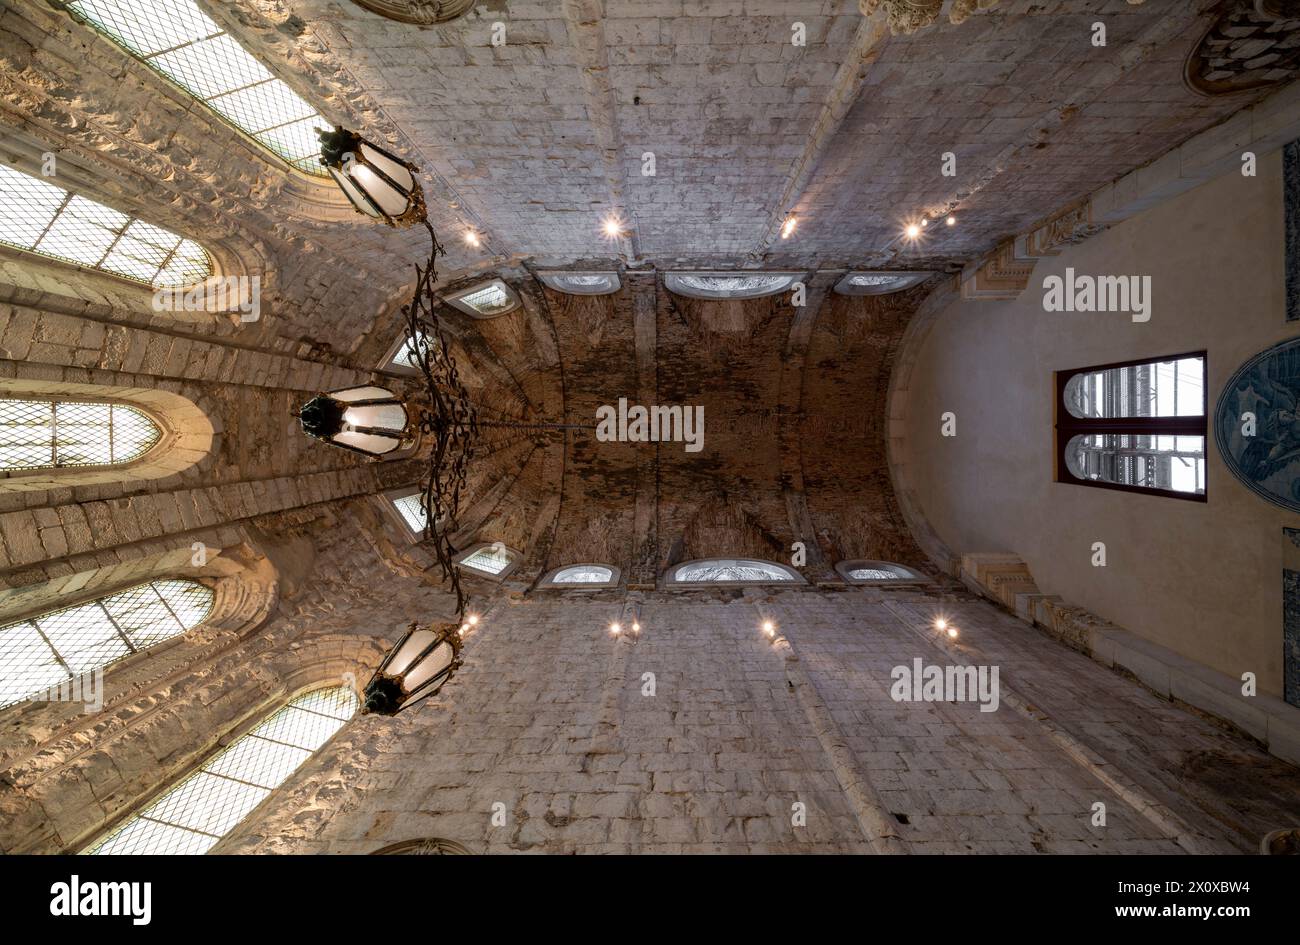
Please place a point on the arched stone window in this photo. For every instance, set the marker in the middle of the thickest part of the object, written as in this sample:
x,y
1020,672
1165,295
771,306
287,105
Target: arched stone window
x,y
42,653
40,217
878,572
194,814
714,571
55,434
582,577
176,38
42,434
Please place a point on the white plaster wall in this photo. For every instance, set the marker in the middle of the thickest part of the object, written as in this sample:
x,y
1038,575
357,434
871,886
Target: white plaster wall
x,y
1202,579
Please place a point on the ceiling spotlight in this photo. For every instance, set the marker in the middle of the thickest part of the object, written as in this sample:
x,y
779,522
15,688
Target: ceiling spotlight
x,y
952,633
788,226
769,628
924,224
464,629
951,221
613,227
941,624
913,231
636,628
615,629
472,620
471,238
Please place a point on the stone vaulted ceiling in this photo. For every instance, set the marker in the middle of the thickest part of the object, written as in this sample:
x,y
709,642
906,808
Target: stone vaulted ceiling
x,y
536,142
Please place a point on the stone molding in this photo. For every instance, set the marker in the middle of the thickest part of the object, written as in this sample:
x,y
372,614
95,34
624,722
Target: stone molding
x,y
1006,579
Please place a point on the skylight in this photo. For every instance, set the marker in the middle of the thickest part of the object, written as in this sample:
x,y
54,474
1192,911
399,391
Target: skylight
x,y
179,40
490,559
41,218
581,283
38,434
412,512
879,283
583,574
728,285
486,300
733,571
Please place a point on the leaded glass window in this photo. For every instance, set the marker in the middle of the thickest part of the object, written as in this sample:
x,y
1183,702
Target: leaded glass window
x,y
583,574
732,571
51,649
490,559
192,816
182,42
412,512
40,217
41,434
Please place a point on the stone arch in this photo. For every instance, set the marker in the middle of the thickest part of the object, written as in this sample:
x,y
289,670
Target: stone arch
x,y
188,435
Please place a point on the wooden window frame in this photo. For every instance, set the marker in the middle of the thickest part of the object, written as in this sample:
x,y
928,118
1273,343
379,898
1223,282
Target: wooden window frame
x,y
1066,426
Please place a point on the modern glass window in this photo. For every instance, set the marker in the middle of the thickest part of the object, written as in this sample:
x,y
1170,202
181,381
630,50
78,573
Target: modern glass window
x,y
46,651
1135,425
192,816
41,434
178,39
732,571
40,217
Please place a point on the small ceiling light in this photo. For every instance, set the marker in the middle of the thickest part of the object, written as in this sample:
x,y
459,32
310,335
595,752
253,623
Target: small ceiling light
x,y
471,238
769,628
636,628
913,231
464,629
924,224
940,624
613,227
615,629
472,620
423,659
951,221
791,221
952,633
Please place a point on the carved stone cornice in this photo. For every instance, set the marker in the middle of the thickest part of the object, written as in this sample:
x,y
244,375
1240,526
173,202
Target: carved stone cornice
x,y
1006,273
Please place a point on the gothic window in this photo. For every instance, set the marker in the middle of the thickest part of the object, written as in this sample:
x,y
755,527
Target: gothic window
x,y
178,39
877,572
39,654
733,571
40,217
193,815
1136,425
42,434
728,285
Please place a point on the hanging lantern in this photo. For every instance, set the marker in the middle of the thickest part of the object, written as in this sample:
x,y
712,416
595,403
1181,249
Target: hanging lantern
x,y
424,659
379,184
368,420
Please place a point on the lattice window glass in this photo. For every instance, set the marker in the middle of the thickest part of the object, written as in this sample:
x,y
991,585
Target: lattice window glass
x,y
40,434
408,506
53,648
39,217
183,43
583,574
490,560
877,574
192,816
406,355
731,570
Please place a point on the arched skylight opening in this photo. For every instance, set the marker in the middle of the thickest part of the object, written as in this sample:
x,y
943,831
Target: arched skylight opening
x,y
733,571
582,577
877,572
40,434
178,39
200,810
729,285
54,648
39,217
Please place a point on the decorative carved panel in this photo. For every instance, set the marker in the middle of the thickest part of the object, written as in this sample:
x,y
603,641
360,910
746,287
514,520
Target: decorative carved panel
x,y
420,12
1252,44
